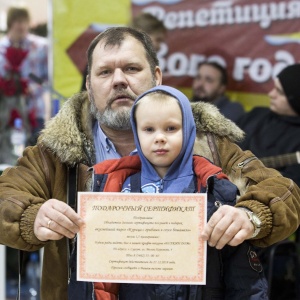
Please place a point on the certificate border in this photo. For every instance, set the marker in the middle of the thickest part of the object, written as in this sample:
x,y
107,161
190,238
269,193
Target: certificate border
x,y
200,199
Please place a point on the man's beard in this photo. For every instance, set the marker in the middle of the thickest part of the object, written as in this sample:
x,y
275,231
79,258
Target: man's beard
x,y
206,98
199,99
114,119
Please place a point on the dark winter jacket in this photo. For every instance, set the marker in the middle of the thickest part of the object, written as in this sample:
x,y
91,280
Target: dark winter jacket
x,y
229,109
269,134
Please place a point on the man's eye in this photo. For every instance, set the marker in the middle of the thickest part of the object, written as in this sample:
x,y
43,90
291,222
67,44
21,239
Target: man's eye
x,y
104,72
132,69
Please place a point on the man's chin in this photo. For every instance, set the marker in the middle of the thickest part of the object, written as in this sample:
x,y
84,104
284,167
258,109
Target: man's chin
x,y
122,109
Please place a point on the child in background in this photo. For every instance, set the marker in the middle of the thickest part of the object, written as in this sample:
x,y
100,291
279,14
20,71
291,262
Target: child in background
x,y
164,132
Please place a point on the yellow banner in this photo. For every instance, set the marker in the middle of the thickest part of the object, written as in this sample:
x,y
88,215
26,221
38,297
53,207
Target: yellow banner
x,y
72,24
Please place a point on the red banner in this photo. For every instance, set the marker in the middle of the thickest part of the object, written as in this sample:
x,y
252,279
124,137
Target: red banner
x,y
253,39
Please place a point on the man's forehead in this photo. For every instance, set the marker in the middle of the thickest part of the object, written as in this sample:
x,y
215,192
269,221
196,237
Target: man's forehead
x,y
128,50
209,69
107,44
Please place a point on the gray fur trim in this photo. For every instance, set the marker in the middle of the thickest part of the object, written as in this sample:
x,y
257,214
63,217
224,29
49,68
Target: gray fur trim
x,y
69,134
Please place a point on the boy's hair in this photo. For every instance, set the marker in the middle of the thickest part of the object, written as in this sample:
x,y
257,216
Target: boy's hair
x,y
148,23
158,96
16,14
115,36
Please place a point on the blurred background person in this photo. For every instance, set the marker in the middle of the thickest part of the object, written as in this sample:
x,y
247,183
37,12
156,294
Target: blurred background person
x,y
21,54
273,135
209,85
275,131
152,26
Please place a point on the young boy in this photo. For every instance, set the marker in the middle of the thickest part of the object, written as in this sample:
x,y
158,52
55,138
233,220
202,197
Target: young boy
x,y
164,132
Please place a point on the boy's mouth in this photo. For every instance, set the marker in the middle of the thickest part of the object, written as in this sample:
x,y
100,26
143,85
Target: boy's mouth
x,y
161,151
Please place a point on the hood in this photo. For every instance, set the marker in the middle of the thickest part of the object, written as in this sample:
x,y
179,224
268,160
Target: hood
x,y
183,164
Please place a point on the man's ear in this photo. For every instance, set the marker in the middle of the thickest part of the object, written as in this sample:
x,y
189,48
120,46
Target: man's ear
x,y
158,75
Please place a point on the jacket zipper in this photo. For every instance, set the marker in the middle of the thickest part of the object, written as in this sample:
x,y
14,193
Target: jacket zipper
x,y
161,186
245,162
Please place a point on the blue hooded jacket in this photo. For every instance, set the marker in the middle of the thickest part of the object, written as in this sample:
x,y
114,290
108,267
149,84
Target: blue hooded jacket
x,y
180,173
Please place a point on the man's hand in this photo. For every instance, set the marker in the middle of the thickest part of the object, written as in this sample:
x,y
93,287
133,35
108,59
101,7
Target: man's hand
x,y
228,225
55,219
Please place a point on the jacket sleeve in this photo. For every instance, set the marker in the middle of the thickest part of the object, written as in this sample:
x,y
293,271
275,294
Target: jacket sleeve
x,y
274,198
23,189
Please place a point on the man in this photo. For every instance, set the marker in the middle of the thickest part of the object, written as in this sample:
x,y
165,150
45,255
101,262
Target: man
x,y
21,54
89,129
209,85
274,131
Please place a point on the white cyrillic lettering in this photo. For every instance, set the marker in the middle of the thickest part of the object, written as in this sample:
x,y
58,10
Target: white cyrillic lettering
x,y
240,66
178,64
260,70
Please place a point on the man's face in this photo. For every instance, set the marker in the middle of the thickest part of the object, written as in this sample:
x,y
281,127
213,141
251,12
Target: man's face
x,y
19,29
118,75
207,84
159,131
278,101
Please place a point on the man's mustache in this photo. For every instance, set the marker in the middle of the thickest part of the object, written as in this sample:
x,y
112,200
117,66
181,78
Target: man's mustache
x,y
200,90
121,94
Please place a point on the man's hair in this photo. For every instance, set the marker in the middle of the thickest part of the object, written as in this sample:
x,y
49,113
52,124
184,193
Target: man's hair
x,y
114,36
148,23
220,68
16,14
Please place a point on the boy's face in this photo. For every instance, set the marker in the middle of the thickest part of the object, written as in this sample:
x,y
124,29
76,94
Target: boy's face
x,y
159,129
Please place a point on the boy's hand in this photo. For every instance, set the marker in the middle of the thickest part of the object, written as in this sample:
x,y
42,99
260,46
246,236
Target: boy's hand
x,y
228,225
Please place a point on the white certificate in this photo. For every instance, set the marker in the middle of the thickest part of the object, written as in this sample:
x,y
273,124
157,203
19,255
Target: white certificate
x,y
142,238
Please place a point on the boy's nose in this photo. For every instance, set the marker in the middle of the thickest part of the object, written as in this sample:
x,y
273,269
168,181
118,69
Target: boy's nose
x,y
160,138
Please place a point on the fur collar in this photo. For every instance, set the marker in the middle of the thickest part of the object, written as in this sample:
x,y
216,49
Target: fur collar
x,y
69,136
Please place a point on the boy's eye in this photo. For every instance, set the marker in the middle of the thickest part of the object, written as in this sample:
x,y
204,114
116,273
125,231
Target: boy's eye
x,y
171,128
149,129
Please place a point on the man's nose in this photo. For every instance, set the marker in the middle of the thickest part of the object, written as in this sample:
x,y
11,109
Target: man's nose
x,y
198,83
119,78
